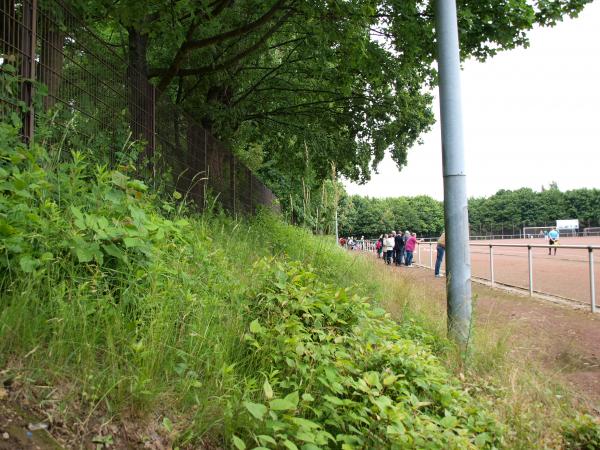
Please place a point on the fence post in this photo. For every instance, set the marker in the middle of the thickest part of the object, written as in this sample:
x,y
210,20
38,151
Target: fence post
x,y
430,255
530,257
153,135
492,265
419,254
29,49
592,279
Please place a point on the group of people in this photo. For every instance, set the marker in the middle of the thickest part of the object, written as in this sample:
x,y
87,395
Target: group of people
x,y
398,247
353,244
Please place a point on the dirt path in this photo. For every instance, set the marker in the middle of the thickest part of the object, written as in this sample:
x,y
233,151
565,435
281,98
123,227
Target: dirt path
x,y
564,339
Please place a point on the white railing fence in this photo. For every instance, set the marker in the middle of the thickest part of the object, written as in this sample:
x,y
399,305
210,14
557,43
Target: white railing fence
x,y
589,248
431,243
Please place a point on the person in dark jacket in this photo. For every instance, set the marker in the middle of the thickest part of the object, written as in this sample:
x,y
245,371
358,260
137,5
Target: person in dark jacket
x,y
398,248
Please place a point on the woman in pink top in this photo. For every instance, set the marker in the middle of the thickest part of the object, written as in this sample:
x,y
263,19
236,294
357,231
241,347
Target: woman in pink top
x,y
411,243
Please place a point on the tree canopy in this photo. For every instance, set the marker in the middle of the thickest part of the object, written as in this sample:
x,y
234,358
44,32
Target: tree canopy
x,y
297,85
505,212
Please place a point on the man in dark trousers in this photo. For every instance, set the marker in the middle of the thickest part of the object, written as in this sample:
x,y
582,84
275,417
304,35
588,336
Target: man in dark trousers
x,y
398,248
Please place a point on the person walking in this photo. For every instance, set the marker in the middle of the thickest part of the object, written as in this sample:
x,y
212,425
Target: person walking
x,y
441,248
393,236
388,244
410,245
399,248
379,246
553,237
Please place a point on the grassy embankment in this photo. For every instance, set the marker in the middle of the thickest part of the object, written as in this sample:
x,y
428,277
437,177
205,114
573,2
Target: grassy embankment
x,y
118,306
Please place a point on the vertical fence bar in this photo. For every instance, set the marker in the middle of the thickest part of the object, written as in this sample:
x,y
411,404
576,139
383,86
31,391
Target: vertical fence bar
x,y
592,279
419,253
530,258
431,255
492,265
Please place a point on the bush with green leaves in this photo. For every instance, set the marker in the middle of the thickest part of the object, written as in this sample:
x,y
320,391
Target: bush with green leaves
x,y
582,433
339,373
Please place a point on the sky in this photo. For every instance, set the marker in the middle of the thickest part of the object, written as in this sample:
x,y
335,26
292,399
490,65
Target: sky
x,y
531,116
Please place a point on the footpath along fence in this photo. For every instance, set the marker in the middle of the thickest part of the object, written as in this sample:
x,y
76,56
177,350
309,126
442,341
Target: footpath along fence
x,y
93,91
570,275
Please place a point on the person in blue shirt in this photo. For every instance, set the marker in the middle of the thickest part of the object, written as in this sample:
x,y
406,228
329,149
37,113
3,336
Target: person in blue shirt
x,y
553,240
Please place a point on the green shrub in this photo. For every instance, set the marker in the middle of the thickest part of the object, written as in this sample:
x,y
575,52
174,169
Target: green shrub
x,y
582,433
340,374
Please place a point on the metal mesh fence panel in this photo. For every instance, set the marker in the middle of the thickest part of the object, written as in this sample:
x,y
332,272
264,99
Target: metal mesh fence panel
x,y
93,91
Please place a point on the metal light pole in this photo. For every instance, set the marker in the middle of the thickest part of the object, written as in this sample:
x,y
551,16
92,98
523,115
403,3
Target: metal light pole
x,y
458,260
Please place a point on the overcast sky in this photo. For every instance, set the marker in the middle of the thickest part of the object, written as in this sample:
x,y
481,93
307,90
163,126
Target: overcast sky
x,y
531,116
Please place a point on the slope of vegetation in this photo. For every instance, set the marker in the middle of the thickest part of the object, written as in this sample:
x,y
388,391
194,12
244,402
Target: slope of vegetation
x,y
245,334
124,311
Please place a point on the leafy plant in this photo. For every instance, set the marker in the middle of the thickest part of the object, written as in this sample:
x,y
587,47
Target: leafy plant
x,y
582,433
340,374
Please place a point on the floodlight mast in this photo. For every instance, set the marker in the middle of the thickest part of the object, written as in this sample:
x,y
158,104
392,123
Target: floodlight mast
x,y
456,217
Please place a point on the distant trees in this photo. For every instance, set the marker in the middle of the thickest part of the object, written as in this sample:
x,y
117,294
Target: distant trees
x,y
505,212
373,216
508,211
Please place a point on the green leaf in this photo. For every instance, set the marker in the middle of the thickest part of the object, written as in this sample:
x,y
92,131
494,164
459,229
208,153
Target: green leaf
x,y
305,423
258,410
29,264
268,390
268,439
290,401
86,252
76,212
239,444
389,380
167,424
119,179
290,445
256,327
449,422
481,439
133,242
308,398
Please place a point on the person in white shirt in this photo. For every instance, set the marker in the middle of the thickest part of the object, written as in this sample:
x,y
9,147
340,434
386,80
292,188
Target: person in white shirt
x,y
388,246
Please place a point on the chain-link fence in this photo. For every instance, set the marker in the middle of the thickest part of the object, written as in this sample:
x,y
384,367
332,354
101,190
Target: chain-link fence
x,y
83,79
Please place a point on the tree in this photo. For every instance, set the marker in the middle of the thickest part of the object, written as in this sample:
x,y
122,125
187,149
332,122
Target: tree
x,y
347,80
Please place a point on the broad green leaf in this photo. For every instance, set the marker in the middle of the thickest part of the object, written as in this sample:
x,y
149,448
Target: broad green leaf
x,y
481,439
290,401
256,327
305,423
258,410
268,390
167,424
239,444
449,422
268,439
29,264
290,445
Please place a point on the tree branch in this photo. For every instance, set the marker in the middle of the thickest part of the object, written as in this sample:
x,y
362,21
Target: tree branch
x,y
228,63
196,44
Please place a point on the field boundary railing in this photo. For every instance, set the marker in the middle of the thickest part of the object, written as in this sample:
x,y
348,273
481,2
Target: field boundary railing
x,y
432,243
95,90
590,249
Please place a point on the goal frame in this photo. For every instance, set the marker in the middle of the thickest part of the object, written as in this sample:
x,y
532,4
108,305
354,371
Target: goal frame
x,y
534,232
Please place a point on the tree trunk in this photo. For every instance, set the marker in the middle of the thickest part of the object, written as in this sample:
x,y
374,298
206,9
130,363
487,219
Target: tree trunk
x,y
140,92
